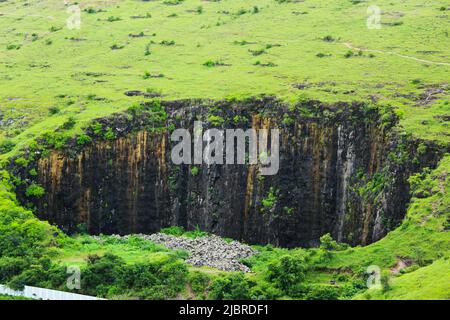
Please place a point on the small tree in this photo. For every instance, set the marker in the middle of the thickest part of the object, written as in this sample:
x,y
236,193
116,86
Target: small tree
x,y
288,272
327,243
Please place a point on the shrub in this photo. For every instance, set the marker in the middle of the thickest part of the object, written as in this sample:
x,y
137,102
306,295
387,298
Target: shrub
x,y
54,29
349,54
116,47
69,124
167,43
199,282
322,292
257,52
287,120
109,275
271,199
265,291
213,63
216,120
81,228
174,231
327,243
6,146
109,134
154,92
230,287
197,233
13,47
35,190
147,50
97,128
91,10
287,272
328,38
194,171
100,273
21,233
83,139
54,139
172,2
53,110
21,161
112,19
12,266
41,273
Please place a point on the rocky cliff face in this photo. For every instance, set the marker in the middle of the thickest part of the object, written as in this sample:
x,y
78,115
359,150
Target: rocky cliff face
x,y
343,170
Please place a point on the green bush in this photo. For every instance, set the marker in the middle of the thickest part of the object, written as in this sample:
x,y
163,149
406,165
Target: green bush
x,y
21,233
100,273
109,275
34,190
180,231
213,63
271,198
174,231
199,282
287,273
41,273
21,161
12,266
83,139
196,233
263,290
6,146
230,287
194,171
69,124
109,134
322,292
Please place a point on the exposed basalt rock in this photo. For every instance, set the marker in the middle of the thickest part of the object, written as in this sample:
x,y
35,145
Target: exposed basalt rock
x,y
343,170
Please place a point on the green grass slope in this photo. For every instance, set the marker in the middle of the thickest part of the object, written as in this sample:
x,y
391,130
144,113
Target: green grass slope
x,y
428,283
198,49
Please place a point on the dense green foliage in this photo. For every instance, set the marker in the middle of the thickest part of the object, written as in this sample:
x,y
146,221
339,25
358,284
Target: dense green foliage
x,y
181,232
21,233
110,276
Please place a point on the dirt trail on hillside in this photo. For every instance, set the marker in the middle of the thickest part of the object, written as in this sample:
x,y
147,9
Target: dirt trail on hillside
x,y
350,46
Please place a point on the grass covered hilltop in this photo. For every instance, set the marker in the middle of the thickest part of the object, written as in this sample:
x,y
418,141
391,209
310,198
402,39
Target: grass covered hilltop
x,y
57,79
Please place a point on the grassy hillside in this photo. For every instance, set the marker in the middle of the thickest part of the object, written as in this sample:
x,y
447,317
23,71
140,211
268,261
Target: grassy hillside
x,y
216,49
56,78
430,282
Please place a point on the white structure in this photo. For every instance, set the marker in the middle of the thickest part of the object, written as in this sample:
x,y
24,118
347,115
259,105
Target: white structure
x,y
44,294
